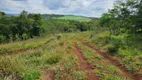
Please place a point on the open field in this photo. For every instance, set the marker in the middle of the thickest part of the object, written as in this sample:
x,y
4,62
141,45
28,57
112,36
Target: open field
x,y
71,40
68,56
72,17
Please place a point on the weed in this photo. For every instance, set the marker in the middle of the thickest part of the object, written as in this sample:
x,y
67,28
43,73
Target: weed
x,y
88,54
99,72
53,59
31,75
112,69
8,69
4,50
79,75
110,77
132,68
98,57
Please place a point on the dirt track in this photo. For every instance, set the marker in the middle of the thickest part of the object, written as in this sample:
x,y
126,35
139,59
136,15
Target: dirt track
x,y
129,75
83,64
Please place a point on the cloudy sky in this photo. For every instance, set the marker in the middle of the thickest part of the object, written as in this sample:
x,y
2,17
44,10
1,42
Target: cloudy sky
x,y
92,8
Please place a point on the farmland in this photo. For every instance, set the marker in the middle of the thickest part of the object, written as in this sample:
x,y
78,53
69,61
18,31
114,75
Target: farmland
x,y
72,47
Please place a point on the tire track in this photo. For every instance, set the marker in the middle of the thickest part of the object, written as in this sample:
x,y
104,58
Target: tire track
x,y
83,64
116,63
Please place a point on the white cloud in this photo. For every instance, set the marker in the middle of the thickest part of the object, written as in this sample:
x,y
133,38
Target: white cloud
x,y
77,7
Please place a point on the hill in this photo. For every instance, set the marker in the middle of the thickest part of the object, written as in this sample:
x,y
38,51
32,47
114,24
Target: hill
x,y
67,17
73,17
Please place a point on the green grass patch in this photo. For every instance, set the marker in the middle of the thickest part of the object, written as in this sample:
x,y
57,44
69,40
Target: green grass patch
x,y
72,17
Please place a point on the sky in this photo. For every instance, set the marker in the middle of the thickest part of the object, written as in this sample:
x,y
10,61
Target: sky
x,y
90,8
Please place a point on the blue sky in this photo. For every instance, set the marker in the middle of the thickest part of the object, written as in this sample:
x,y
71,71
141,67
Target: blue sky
x,y
91,8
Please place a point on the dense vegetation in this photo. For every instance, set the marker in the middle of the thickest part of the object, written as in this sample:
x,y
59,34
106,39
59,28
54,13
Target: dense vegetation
x,y
125,17
60,26
124,26
108,47
28,25
20,27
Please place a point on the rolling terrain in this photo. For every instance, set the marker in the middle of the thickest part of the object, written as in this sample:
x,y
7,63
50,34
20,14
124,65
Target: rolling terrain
x,y
64,56
37,46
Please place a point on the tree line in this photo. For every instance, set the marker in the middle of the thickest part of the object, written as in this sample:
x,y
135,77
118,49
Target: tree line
x,y
53,26
27,25
125,17
21,27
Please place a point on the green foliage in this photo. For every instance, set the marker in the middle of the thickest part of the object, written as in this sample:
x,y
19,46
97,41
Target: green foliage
x,y
19,27
125,17
72,17
3,50
53,59
53,26
109,77
79,75
8,69
31,75
112,69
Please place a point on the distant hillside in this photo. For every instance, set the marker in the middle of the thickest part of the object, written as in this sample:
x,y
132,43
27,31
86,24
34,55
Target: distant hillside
x,y
73,17
67,17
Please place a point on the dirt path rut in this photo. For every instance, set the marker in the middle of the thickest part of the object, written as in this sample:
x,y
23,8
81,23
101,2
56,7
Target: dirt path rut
x,y
129,75
83,64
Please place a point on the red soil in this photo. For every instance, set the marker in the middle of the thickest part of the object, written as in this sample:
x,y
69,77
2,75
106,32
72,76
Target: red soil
x,y
116,63
83,64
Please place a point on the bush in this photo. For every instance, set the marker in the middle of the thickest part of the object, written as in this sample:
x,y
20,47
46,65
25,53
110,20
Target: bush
x,y
115,43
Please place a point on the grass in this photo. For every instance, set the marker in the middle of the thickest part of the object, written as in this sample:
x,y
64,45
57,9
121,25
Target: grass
x,y
102,66
125,48
58,56
72,17
27,44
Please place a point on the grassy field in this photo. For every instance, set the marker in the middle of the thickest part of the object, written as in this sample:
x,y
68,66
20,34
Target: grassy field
x,y
72,17
69,56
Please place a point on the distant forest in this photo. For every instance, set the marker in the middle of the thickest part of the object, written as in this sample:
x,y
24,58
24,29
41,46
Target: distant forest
x,y
27,25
